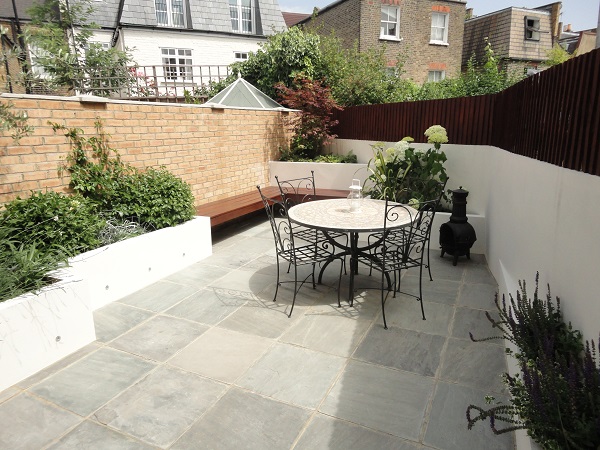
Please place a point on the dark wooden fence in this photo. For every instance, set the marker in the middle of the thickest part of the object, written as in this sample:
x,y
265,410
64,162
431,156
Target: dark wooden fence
x,y
553,116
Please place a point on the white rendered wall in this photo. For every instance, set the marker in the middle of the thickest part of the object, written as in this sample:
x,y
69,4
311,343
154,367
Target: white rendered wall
x,y
145,46
539,218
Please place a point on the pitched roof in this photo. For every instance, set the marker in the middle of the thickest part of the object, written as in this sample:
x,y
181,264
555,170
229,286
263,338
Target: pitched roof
x,y
292,18
7,12
241,94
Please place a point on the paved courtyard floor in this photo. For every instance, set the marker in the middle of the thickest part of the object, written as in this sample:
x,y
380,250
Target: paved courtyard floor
x,y
204,359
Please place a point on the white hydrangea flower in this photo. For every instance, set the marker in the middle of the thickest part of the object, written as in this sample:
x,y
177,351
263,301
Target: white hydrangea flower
x,y
436,134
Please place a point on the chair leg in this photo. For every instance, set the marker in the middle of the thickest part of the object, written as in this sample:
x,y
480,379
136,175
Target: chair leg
x,y
421,288
295,289
384,293
342,267
429,263
278,283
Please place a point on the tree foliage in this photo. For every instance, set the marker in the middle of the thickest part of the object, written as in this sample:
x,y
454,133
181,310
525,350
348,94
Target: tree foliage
x,y
61,41
312,126
557,55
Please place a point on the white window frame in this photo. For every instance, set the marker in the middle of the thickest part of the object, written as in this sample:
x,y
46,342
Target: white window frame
x,y
386,25
241,13
173,14
433,76
435,28
177,63
532,30
240,56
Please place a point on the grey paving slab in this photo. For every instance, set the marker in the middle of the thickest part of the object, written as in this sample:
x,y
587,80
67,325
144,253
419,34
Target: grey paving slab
x,y
402,349
198,275
441,268
337,335
90,435
479,273
115,319
447,427
9,393
474,364
384,399
221,354
266,319
242,252
92,381
159,296
159,338
468,320
29,423
245,420
326,432
209,305
45,373
478,296
244,280
438,290
405,312
162,406
292,374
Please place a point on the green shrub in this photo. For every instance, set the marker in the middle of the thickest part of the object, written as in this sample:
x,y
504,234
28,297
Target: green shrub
x,y
23,267
51,221
155,198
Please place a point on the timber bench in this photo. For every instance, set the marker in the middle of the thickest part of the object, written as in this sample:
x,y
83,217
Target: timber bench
x,y
234,207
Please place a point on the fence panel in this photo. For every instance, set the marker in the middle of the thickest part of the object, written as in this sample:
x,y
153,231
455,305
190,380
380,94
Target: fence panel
x,y
552,116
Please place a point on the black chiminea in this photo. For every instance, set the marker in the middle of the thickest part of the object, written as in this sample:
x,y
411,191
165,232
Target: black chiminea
x,y
458,236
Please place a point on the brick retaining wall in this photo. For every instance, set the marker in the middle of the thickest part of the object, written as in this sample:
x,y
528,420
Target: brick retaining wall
x,y
219,152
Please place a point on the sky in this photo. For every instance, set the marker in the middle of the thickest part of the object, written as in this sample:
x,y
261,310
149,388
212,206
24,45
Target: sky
x,y
581,14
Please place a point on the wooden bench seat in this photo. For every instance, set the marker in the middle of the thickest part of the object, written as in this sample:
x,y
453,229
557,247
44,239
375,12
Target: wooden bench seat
x,y
230,208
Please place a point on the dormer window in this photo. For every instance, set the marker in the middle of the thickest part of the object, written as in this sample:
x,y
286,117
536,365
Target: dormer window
x,y
242,17
532,28
170,13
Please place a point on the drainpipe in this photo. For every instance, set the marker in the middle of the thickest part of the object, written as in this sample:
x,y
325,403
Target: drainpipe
x,y
115,36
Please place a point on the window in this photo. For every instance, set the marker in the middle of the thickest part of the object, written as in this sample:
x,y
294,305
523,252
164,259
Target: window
x,y
240,56
439,28
532,28
177,63
169,13
389,22
240,12
436,75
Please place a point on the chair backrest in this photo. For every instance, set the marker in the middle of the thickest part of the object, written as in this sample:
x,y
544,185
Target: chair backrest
x,y
277,212
297,190
416,236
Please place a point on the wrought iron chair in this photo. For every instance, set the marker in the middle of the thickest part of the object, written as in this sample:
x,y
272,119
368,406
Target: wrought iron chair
x,y
405,248
300,190
289,249
413,192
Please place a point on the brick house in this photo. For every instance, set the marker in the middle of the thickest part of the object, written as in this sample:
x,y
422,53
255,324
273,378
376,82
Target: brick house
x,y
520,37
426,35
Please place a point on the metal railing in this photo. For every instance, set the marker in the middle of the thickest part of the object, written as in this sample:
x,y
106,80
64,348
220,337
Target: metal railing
x,y
167,83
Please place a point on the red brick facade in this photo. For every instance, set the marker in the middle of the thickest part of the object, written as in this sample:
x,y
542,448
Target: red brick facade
x,y
358,22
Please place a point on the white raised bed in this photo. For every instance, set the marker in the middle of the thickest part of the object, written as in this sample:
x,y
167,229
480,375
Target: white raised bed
x,y
37,330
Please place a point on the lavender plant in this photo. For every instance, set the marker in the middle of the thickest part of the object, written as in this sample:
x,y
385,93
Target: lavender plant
x,y
556,395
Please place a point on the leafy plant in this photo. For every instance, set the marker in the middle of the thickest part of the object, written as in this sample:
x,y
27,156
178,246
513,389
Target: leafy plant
x,y
23,267
312,127
153,198
16,123
557,55
71,58
390,167
556,396
119,230
52,222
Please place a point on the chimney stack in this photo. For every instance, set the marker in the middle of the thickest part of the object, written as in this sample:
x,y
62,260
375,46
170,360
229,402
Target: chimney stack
x,y
567,28
469,13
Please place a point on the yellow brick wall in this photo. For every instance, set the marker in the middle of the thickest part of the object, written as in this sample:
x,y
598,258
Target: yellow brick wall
x,y
218,152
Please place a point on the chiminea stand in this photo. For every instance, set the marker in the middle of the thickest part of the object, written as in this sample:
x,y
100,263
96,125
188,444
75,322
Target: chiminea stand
x,y
458,236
